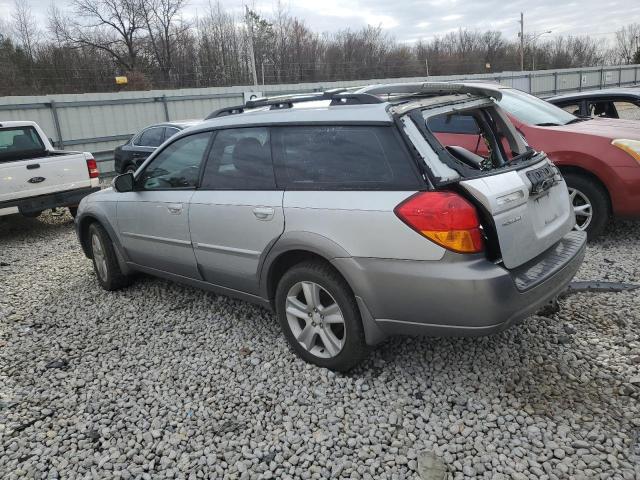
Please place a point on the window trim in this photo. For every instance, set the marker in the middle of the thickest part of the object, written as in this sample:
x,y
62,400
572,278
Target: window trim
x,y
137,187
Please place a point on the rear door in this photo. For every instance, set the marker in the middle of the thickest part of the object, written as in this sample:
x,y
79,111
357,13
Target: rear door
x,y
236,214
153,220
27,169
146,143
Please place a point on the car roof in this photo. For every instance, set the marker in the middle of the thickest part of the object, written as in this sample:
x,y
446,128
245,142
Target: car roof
x,y
322,110
16,123
605,92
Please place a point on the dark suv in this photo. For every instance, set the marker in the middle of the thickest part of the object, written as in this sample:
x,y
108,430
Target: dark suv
x,y
129,157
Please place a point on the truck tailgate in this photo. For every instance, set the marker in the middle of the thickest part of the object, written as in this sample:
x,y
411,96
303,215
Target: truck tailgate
x,y
40,176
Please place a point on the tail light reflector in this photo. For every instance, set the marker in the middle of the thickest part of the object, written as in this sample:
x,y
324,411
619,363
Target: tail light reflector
x,y
445,218
92,166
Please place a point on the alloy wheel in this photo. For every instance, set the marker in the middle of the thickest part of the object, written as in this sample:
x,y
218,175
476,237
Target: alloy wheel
x,y
99,256
582,209
315,319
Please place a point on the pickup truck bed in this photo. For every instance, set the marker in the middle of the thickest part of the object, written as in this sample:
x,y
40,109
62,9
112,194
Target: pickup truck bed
x,y
34,176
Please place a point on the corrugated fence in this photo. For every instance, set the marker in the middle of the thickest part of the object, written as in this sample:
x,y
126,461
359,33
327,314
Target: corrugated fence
x,y
98,122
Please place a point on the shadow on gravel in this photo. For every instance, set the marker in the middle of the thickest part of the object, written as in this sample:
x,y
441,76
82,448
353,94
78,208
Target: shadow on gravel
x,y
15,226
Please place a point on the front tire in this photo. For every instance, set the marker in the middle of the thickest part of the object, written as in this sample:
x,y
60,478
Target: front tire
x,y
590,204
319,316
105,262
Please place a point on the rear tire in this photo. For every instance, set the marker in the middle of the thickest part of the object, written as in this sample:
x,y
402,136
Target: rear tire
x,y
590,202
105,262
319,316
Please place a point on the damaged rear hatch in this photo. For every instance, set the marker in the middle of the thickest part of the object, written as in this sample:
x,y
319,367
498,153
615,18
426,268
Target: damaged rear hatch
x,y
466,142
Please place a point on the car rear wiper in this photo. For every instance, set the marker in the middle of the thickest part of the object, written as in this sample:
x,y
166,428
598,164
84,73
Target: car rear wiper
x,y
523,156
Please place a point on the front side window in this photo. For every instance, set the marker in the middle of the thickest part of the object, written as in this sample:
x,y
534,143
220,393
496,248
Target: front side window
x,y
533,111
342,158
19,143
240,159
177,166
152,137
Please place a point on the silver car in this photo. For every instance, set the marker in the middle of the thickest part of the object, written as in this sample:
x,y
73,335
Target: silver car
x,y
346,215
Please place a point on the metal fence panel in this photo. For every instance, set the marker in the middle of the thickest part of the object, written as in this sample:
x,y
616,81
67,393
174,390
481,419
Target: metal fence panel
x,y
98,122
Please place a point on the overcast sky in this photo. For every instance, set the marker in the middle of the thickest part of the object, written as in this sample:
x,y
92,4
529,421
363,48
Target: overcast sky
x,y
410,20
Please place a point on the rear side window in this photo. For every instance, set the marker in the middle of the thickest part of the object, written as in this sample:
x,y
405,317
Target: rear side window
x,y
462,124
342,158
20,143
151,137
240,159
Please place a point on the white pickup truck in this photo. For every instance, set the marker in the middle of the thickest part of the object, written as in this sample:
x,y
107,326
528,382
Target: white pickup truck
x,y
34,176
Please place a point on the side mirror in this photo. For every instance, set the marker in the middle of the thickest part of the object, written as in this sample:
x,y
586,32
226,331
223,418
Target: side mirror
x,y
123,183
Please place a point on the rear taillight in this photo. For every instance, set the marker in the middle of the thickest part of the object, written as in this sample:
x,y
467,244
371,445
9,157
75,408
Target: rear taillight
x,y
92,166
445,218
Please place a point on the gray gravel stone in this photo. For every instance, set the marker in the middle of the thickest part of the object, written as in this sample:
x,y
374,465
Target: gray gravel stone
x,y
165,381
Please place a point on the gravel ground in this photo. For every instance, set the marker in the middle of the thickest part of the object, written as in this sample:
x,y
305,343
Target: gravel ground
x,y
165,381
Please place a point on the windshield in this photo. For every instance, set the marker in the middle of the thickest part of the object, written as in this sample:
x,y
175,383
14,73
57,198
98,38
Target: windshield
x,y
533,111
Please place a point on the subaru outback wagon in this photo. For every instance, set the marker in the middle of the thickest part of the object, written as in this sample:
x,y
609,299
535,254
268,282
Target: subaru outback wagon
x,y
344,213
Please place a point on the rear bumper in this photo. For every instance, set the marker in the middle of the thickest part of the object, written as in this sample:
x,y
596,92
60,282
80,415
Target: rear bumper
x,y
29,205
457,296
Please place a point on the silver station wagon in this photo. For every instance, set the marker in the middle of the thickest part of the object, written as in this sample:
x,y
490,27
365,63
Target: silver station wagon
x,y
345,214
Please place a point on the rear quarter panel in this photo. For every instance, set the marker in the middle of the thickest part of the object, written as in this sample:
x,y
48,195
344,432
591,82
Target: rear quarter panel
x,y
362,223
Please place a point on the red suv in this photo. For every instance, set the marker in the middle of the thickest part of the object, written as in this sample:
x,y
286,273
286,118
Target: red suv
x,y
599,158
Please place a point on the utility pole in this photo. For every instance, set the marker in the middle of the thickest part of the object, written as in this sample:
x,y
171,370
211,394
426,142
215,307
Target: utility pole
x,y
252,57
426,64
521,42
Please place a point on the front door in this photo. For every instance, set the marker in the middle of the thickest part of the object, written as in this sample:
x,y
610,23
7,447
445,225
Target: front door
x,y
153,220
236,214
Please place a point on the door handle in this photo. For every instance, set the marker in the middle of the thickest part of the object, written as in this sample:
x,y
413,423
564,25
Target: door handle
x,y
264,213
32,166
175,208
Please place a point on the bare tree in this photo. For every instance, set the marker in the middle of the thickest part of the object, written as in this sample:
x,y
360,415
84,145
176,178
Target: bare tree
x,y
113,26
25,28
164,28
628,42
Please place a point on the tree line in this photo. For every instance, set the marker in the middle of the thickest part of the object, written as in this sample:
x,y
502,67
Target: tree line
x,y
151,43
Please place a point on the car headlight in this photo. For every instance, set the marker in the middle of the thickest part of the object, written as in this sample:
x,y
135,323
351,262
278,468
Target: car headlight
x,y
632,147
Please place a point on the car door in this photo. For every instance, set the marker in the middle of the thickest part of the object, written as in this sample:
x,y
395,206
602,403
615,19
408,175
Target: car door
x,y
236,214
153,220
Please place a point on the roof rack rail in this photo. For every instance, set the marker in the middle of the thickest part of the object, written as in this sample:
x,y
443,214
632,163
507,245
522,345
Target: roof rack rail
x,y
223,112
430,88
338,96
